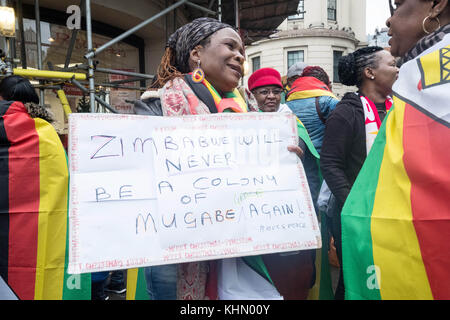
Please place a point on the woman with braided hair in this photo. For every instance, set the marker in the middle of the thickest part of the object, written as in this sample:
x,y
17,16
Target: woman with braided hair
x,y
199,74
201,69
350,127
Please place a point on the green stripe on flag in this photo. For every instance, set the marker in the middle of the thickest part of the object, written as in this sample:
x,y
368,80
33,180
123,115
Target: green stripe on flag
x,y
326,288
303,134
357,250
75,286
141,286
256,263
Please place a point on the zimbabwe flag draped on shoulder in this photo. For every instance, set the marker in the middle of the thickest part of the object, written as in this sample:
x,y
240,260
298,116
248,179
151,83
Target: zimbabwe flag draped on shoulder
x,y
33,209
308,87
396,220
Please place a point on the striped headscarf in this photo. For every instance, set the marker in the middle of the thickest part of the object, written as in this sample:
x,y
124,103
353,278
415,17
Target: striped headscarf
x,y
187,37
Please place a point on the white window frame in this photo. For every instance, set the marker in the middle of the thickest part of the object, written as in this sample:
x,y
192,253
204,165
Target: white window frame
x,y
335,10
254,56
290,49
300,9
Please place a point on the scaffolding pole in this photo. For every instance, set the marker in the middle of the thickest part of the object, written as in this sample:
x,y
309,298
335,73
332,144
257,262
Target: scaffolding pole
x,y
236,14
23,53
99,100
31,73
114,71
126,81
125,73
208,11
91,53
72,42
90,61
70,49
37,16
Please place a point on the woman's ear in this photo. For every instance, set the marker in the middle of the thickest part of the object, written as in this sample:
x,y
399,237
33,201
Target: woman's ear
x,y
368,73
438,7
195,56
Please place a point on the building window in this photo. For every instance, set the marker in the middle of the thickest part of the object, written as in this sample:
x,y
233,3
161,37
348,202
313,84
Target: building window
x,y
294,56
256,63
332,10
336,56
300,11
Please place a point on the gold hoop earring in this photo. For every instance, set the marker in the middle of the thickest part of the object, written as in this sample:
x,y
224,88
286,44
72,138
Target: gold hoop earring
x,y
198,74
425,29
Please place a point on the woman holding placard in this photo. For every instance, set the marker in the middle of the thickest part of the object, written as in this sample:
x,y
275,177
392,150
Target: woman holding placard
x,y
199,74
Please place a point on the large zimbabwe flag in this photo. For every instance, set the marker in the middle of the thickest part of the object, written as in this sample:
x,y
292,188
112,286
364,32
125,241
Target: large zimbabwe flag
x,y
396,220
33,209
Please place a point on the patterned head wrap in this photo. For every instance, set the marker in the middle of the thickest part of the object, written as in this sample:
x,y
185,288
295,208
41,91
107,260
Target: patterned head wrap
x,y
187,37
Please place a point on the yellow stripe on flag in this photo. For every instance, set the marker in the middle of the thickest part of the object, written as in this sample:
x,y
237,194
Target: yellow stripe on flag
x,y
132,276
431,68
53,174
309,94
396,250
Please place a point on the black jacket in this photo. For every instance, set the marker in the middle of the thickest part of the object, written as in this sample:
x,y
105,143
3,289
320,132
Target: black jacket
x,y
344,145
149,106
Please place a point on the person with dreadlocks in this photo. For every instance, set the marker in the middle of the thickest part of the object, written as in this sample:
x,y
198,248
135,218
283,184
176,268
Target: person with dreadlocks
x,y
201,68
199,74
352,126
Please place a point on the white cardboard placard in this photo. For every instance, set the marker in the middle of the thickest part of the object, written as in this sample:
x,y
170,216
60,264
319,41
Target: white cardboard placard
x,y
159,190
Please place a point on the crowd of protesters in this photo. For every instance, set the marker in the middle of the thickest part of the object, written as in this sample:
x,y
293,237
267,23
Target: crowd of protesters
x,y
200,73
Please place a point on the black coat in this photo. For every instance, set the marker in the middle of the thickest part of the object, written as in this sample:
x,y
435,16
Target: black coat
x,y
148,107
344,145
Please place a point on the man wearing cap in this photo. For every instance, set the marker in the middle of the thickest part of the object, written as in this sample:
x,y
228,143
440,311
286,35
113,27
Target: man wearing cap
x,y
294,72
265,85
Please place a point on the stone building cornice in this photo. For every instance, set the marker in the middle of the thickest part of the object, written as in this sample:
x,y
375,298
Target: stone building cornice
x,y
312,32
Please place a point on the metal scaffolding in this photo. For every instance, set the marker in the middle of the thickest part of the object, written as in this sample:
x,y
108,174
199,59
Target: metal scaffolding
x,y
50,79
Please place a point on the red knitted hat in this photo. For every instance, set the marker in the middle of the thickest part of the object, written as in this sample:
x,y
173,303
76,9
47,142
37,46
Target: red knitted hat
x,y
264,77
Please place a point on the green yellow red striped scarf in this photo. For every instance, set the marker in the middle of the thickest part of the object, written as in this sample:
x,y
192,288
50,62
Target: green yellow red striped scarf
x,y
396,220
33,209
308,87
232,101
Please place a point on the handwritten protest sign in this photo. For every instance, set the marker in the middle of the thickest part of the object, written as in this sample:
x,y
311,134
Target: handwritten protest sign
x,y
159,190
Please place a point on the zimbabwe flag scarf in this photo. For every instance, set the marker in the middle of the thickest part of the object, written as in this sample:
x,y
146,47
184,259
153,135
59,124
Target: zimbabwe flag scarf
x,y
308,87
231,102
396,220
33,209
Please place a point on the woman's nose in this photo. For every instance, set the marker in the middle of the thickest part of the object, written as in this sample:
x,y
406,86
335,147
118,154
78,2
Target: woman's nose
x,y
240,57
